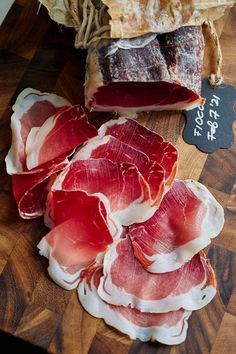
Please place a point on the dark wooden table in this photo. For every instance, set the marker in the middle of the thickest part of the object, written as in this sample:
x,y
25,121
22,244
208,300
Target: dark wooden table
x,y
35,52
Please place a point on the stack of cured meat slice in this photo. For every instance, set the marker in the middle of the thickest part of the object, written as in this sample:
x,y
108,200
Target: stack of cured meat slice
x,y
149,73
123,229
127,181
152,278
45,131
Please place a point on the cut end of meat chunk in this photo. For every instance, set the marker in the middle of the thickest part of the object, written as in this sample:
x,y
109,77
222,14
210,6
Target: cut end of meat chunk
x,y
143,96
167,328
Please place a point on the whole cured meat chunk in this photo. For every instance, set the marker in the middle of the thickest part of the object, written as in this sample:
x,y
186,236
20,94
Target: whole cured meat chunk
x,y
167,328
118,184
190,287
187,219
60,133
113,149
139,137
160,73
31,109
82,232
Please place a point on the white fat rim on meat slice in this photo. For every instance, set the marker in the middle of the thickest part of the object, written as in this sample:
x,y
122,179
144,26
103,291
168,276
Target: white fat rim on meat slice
x,y
110,123
59,273
96,307
35,140
212,225
86,150
183,105
198,297
23,103
137,211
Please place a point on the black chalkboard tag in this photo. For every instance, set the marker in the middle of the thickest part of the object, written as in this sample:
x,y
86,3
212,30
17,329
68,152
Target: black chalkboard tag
x,y
209,127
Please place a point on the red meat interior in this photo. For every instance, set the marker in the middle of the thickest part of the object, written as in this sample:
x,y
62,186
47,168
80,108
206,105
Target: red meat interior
x,y
141,94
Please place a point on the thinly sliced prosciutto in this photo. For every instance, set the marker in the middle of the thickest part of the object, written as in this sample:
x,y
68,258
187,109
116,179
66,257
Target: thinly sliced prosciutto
x,y
59,208
62,132
139,137
45,131
125,282
147,74
187,219
121,184
113,149
81,233
167,328
31,109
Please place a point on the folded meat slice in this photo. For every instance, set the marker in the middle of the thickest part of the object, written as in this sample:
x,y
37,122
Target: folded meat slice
x,y
187,219
62,132
163,73
31,189
31,109
139,137
167,328
113,149
119,184
81,234
59,209
125,282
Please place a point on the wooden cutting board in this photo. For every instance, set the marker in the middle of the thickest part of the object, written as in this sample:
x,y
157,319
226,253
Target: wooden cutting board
x,y
35,52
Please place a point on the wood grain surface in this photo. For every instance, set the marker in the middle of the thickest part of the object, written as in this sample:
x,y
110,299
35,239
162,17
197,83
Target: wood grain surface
x,y
35,52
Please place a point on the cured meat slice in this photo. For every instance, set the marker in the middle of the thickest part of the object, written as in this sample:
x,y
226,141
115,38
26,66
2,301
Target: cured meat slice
x,y
119,184
139,137
187,219
30,189
164,74
81,234
167,328
31,109
59,209
62,132
190,287
113,149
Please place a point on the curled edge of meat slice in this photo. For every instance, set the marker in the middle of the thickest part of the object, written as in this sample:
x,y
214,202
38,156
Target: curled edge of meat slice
x,y
137,280
167,328
210,225
27,100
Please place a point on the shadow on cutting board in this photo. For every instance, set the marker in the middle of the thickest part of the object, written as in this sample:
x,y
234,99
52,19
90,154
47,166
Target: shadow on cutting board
x,y
18,346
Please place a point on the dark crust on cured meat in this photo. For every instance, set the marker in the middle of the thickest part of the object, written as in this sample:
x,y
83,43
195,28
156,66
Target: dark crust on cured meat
x,y
175,57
